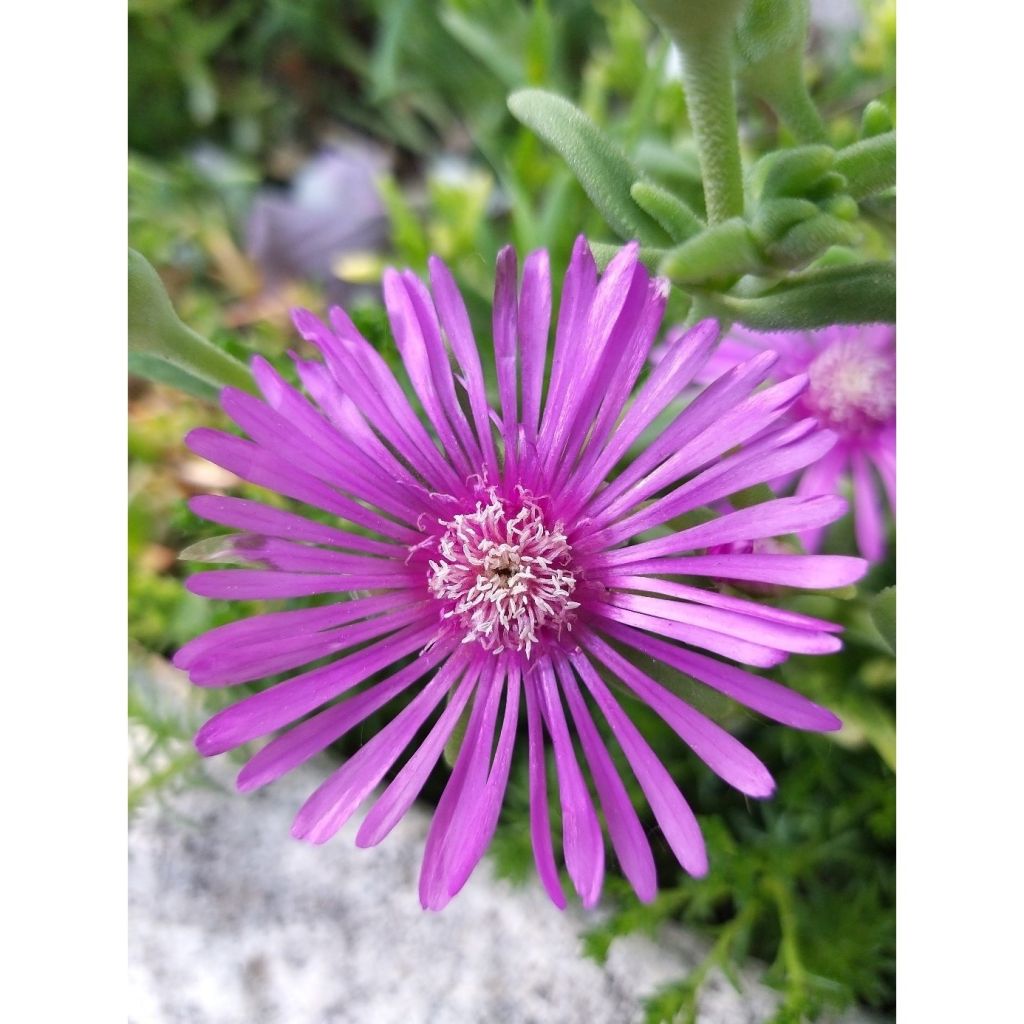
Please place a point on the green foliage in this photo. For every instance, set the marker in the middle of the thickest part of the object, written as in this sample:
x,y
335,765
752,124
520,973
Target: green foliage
x,y
157,334
883,611
847,294
602,169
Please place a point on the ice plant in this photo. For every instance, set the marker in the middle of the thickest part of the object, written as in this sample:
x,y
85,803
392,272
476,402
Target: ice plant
x,y
494,558
851,391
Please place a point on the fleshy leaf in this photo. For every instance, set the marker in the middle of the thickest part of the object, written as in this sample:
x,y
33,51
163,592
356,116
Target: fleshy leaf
x,y
668,210
155,331
876,120
869,166
724,250
863,293
600,166
791,172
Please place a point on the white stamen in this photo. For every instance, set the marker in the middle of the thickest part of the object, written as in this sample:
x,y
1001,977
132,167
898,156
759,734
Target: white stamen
x,y
852,386
507,577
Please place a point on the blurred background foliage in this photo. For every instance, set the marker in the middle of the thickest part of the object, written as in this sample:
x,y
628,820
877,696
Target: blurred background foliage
x,y
282,153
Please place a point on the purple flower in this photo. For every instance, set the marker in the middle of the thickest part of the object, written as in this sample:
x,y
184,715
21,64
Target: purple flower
x,y
334,208
851,391
493,554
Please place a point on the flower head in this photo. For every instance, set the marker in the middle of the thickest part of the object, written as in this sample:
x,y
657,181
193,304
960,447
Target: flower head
x,y
851,390
498,557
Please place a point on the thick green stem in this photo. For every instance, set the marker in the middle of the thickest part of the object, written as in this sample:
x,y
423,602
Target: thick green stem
x,y
711,100
703,29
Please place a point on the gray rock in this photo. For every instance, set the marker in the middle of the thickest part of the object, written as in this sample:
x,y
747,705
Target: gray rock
x,y
231,921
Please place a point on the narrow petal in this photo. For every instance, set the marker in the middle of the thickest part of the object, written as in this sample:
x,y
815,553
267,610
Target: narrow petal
x,y
808,572
868,522
821,478
720,481
682,358
283,625
406,785
318,380
337,798
612,353
282,704
720,751
737,648
315,734
670,809
440,366
302,433
734,622
451,311
730,428
280,654
412,347
505,316
480,830
616,383
243,514
884,455
540,818
769,519
265,585
581,832
763,695
745,606
627,834
365,378
534,323
462,793
267,469
369,364
250,549
573,314
701,413
620,293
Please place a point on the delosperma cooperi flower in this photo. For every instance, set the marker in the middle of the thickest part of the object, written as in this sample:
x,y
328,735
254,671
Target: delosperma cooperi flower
x,y
487,560
851,391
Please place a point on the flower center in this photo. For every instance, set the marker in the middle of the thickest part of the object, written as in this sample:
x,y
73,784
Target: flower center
x,y
852,386
505,575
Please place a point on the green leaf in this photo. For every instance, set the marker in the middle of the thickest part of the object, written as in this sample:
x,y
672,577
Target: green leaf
x,y
860,294
154,369
604,253
723,250
883,614
491,50
804,241
877,120
870,721
791,172
774,217
668,210
155,331
600,166
869,166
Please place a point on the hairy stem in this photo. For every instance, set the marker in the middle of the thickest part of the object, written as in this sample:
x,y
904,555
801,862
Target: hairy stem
x,y
703,32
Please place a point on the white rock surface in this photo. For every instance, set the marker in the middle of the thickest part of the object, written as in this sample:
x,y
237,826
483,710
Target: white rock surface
x,y
234,922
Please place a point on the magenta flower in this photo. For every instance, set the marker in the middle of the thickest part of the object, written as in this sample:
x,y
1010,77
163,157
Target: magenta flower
x,y
494,554
851,391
